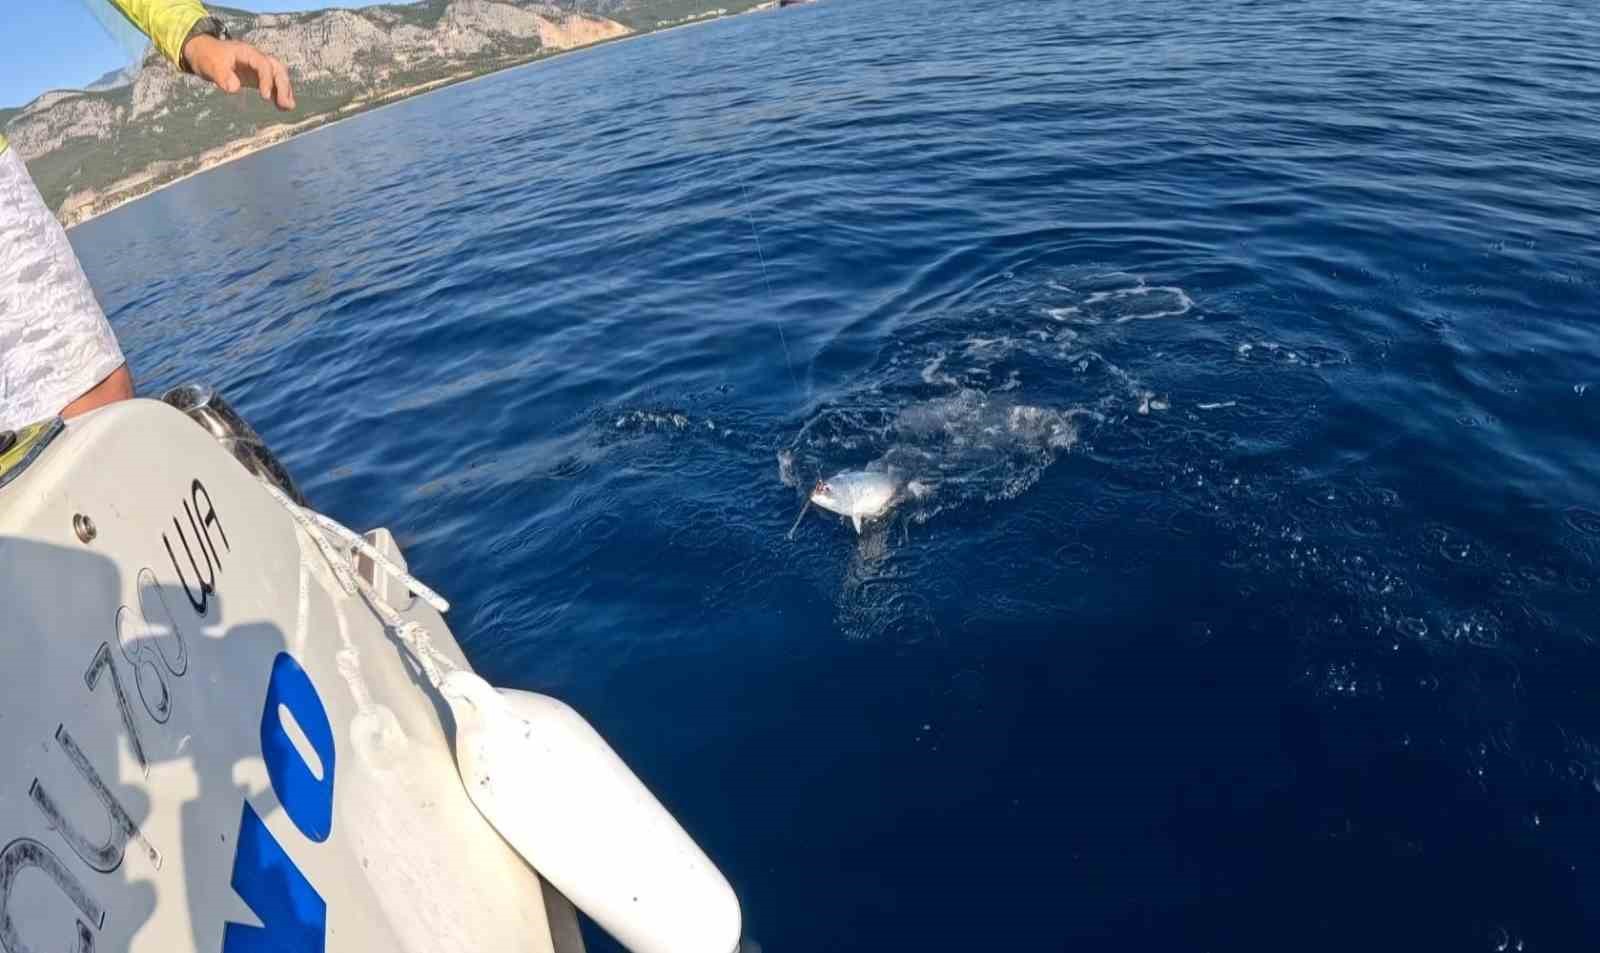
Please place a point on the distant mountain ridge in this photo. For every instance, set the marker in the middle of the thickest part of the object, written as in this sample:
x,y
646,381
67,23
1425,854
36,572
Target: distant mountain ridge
x,y
114,79
90,150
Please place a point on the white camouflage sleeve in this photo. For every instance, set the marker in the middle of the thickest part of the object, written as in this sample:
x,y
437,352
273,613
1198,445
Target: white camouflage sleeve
x,y
55,342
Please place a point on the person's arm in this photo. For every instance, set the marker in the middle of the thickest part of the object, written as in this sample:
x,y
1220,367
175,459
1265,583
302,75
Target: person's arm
x,y
166,22
230,64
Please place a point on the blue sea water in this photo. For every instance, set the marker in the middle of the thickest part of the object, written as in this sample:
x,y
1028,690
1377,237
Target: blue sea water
x,y
1249,354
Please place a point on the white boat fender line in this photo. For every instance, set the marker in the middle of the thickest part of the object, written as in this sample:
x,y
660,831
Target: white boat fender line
x,y
554,789
372,552
414,635
341,571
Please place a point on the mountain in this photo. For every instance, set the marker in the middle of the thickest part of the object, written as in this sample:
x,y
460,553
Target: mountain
x,y
91,150
114,79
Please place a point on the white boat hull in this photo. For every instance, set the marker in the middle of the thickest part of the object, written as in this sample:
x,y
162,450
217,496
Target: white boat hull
x,y
209,745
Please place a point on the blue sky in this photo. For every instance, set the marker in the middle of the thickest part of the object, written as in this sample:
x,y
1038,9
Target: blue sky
x,y
61,43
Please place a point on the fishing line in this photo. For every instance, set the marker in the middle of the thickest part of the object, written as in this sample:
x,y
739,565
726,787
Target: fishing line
x,y
121,31
767,280
804,508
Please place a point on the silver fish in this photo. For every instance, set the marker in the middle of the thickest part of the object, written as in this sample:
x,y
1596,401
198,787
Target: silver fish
x,y
857,495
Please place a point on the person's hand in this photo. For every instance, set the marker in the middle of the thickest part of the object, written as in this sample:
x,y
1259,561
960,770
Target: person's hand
x,y
232,64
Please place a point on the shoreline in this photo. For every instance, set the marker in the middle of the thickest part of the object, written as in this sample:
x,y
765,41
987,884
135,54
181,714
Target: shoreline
x,y
281,133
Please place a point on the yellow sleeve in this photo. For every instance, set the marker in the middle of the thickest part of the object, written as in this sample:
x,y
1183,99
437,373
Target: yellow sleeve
x,y
167,22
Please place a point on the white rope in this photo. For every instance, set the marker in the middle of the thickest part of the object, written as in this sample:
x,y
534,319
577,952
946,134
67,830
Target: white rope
x,y
435,665
340,570
355,539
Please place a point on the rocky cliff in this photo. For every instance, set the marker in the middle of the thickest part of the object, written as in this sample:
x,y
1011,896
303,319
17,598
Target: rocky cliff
x,y
91,150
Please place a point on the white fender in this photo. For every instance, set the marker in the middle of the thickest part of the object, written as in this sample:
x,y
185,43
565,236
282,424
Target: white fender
x,y
568,804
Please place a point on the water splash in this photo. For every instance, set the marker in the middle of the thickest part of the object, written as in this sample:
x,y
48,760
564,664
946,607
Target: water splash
x,y
976,406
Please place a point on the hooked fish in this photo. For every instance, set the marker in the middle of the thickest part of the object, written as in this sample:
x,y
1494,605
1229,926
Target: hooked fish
x,y
858,495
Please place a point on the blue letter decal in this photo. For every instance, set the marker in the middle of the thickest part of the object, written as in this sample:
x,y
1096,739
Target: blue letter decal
x,y
307,799
294,916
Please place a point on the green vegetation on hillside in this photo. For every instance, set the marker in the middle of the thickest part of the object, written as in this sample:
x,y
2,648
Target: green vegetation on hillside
x,y
646,15
424,13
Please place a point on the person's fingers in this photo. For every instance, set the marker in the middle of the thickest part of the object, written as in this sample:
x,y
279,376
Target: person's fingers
x,y
234,64
280,82
261,64
250,67
227,77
